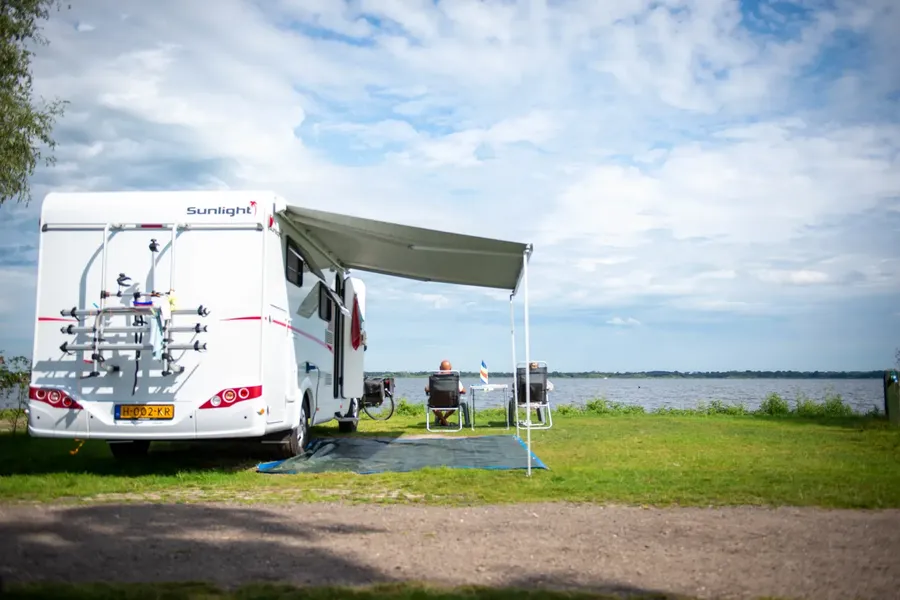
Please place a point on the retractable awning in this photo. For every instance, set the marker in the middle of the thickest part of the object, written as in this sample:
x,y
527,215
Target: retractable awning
x,y
404,251
345,242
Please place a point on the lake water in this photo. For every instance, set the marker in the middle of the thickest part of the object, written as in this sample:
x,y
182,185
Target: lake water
x,y
862,394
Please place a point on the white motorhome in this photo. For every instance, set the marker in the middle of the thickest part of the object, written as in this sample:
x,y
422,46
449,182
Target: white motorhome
x,y
188,315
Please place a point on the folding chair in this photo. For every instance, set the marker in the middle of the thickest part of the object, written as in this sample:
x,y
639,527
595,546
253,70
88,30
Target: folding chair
x,y
540,396
443,395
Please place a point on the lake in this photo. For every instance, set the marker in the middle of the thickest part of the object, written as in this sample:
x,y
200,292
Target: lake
x,y
652,394
861,394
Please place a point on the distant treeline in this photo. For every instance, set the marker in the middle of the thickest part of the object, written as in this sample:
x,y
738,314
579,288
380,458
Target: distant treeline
x,y
665,374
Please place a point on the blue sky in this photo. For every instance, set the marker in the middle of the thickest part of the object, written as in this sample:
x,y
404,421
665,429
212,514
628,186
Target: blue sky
x,y
707,185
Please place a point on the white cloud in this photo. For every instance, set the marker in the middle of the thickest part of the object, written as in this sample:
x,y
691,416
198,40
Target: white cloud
x,y
436,301
689,156
620,322
802,277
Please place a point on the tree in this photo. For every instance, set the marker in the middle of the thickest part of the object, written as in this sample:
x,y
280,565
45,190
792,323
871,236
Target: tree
x,y
15,376
25,124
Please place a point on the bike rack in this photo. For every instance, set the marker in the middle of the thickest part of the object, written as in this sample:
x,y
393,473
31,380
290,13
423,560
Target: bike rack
x,y
142,307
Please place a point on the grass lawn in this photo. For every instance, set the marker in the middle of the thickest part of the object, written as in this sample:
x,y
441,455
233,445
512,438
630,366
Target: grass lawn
x,y
652,459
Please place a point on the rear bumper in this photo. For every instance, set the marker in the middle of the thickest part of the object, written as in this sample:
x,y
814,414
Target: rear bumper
x,y
96,421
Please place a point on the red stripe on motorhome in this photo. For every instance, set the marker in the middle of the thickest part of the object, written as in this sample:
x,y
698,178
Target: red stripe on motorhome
x,y
304,334
294,329
57,319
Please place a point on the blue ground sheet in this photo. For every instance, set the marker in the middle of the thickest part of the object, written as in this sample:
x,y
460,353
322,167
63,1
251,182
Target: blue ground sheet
x,y
366,455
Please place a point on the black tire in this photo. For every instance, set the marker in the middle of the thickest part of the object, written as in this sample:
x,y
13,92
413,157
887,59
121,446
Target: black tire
x,y
126,450
353,411
298,437
383,412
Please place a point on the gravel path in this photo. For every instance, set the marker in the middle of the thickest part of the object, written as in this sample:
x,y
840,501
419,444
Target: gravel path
x,y
727,553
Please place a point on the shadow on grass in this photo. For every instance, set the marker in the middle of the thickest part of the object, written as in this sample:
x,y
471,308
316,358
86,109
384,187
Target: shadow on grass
x,y
148,546
399,591
25,455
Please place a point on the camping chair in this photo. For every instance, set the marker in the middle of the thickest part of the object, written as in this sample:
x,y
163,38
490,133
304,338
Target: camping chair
x,y
540,397
443,395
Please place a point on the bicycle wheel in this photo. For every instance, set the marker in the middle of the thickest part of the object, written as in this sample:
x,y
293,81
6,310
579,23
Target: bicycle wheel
x,y
382,412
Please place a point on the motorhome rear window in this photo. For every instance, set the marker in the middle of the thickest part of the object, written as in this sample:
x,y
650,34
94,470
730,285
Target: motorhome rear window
x,y
293,264
324,303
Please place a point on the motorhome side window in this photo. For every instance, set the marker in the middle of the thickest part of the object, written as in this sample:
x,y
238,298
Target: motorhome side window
x,y
324,303
293,264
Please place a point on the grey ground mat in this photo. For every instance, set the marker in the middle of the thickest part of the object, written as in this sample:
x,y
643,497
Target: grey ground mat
x,y
365,455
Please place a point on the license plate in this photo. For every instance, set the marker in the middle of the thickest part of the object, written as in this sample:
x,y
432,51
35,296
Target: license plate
x,y
145,411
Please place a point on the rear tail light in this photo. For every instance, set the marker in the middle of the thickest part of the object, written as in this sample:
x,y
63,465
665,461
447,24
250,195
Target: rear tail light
x,y
230,396
53,397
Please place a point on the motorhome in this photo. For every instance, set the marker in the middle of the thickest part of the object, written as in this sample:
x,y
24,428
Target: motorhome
x,y
209,315
188,315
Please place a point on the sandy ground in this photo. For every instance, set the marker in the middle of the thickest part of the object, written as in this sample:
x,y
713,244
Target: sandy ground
x,y
727,553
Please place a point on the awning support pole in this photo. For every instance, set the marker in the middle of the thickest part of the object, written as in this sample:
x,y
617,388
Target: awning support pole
x,y
512,334
527,360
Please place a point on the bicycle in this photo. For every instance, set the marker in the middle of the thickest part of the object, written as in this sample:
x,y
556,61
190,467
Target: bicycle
x,y
378,401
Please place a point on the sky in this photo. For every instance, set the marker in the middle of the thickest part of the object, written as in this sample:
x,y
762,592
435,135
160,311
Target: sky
x,y
708,185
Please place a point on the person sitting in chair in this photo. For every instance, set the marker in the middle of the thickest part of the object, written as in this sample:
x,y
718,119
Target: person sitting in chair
x,y
534,367
441,415
549,388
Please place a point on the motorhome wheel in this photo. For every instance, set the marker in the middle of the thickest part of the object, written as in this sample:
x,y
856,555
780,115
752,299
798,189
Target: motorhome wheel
x,y
298,437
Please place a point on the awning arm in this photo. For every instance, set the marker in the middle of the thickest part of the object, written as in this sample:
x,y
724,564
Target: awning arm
x,y
285,221
334,298
394,273
525,259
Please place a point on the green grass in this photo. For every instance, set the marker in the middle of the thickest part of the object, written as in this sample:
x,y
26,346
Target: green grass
x,y
393,591
603,453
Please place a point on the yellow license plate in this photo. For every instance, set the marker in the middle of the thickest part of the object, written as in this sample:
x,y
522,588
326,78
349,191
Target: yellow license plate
x,y
145,411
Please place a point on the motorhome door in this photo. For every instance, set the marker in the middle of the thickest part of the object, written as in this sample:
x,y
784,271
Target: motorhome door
x,y
353,339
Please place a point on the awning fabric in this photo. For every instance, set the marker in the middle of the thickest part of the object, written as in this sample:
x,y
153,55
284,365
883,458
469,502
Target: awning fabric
x,y
405,251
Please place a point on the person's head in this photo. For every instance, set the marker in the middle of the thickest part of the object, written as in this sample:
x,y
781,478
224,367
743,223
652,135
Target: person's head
x,y
534,365
446,366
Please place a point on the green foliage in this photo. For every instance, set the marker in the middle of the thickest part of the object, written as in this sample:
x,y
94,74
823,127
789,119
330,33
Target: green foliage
x,y
602,406
403,408
833,406
15,375
773,405
25,124
718,407
567,410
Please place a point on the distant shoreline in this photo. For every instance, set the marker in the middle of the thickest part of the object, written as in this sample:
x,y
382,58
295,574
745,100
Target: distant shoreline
x,y
663,374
